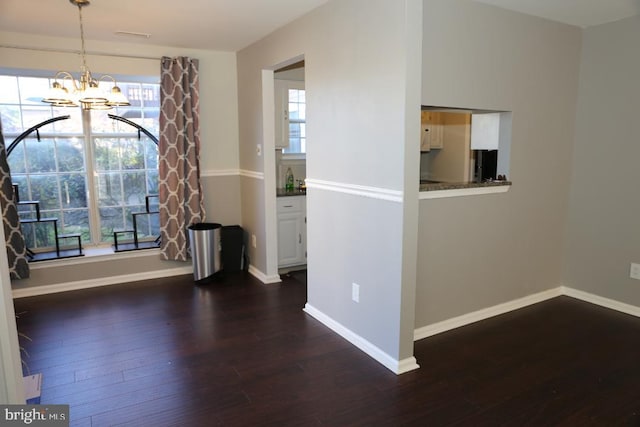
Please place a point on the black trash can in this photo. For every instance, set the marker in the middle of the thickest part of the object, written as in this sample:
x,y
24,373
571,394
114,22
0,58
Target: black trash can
x,y
205,244
233,248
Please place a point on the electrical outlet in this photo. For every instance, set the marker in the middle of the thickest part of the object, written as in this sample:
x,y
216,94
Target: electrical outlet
x,y
355,292
253,241
635,271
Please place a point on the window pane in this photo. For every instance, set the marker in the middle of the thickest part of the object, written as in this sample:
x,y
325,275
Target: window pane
x,y
110,219
135,188
297,117
151,96
40,155
152,185
38,235
23,186
9,90
44,188
107,154
74,190
77,221
32,89
71,125
148,225
33,115
70,155
16,160
109,189
132,154
151,154
11,121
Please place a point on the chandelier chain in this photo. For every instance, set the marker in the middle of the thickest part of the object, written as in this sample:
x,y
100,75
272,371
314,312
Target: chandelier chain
x,y
82,46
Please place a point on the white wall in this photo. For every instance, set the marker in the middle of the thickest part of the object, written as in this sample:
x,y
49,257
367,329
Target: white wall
x,y
480,251
603,236
361,71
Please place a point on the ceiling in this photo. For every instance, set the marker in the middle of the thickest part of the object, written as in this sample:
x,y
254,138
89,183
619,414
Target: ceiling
x,y
581,13
224,25
230,25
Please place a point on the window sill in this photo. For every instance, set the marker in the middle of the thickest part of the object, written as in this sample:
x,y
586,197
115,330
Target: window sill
x,y
91,255
443,190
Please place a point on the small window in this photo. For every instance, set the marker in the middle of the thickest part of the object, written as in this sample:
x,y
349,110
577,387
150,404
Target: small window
x,y
291,116
297,122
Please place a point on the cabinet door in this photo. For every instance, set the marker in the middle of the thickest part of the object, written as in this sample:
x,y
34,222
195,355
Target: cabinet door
x,y
282,114
425,138
434,127
290,239
437,136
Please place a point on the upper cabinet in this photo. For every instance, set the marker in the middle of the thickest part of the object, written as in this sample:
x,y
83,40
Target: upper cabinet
x,y
425,137
282,114
432,132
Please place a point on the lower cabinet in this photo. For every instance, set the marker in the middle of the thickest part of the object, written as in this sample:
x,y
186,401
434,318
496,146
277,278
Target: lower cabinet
x,y
292,231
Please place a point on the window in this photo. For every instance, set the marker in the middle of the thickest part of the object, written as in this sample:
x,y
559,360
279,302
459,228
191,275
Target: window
x,y
291,115
89,171
297,122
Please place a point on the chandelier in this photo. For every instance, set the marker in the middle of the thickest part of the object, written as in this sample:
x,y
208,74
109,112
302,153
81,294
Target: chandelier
x,y
84,92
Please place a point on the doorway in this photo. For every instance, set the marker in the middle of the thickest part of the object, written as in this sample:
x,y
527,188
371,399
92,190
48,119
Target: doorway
x,y
285,169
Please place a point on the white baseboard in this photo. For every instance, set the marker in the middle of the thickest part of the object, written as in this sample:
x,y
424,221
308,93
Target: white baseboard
x,y
103,281
485,313
394,365
466,319
263,277
601,301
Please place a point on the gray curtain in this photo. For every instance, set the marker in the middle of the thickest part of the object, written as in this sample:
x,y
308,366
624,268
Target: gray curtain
x,y
179,189
14,240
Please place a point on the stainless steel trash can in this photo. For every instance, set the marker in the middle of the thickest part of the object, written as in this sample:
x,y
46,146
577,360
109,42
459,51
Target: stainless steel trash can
x,y
205,244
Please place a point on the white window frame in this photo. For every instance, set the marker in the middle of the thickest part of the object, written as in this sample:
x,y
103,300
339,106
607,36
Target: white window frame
x,y
89,155
282,115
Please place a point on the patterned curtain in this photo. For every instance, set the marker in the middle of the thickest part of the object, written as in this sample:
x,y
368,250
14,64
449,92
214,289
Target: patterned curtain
x,y
14,240
180,192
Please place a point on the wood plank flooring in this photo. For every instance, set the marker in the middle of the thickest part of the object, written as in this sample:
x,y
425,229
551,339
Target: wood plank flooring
x,y
240,353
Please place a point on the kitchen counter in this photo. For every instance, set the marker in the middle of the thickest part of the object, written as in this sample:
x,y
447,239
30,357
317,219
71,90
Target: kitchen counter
x,y
436,186
281,192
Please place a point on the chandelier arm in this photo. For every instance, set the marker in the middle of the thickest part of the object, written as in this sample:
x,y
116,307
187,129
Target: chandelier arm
x,y
64,76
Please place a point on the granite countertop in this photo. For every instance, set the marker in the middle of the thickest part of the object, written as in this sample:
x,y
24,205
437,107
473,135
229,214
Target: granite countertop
x,y
435,186
281,192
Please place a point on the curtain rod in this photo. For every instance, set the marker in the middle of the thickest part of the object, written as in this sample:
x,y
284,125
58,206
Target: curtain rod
x,y
77,52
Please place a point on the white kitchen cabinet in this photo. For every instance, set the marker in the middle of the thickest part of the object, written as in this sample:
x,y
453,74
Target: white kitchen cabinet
x,y
437,131
432,131
292,231
425,137
282,114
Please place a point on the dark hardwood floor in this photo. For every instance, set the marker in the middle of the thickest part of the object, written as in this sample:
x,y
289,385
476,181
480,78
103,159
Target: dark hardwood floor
x,y
239,353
